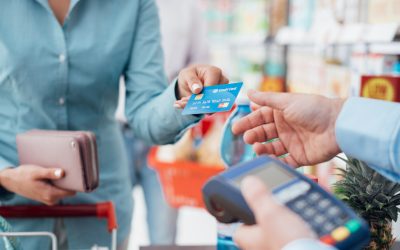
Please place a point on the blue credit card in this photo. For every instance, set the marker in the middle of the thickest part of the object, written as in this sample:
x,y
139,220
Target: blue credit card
x,y
213,99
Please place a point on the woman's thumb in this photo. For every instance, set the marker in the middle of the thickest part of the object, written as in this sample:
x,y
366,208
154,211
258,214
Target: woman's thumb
x,y
51,173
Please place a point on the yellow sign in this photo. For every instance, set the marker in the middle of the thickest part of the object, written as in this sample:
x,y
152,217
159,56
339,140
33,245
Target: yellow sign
x,y
272,85
379,88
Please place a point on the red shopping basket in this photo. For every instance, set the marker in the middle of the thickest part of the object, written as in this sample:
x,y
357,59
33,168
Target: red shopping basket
x,y
104,210
182,181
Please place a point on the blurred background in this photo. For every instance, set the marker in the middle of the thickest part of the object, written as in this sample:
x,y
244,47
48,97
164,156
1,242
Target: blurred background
x,y
338,48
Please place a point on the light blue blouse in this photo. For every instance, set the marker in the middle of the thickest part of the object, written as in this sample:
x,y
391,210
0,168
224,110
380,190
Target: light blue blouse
x,y
66,78
369,130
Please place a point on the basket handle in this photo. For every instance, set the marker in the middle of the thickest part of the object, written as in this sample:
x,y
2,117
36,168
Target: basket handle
x,y
104,210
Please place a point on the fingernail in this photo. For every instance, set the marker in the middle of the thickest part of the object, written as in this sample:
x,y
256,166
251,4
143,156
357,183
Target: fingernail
x,y
195,87
58,173
176,105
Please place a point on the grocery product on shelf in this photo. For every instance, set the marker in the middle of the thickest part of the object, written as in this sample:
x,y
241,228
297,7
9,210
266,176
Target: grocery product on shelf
x,y
273,84
274,70
338,80
306,71
301,13
237,31
250,19
278,15
383,11
381,87
396,68
236,20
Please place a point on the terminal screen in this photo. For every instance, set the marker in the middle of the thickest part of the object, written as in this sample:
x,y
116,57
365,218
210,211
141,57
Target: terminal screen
x,y
271,174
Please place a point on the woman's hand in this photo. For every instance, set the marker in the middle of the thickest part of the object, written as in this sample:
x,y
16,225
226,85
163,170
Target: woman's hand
x,y
192,79
31,182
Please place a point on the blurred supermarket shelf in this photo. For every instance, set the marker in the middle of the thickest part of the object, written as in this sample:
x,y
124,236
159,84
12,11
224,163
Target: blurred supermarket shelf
x,y
321,47
387,49
384,35
179,248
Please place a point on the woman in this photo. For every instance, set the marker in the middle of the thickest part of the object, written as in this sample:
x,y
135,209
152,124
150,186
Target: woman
x,y
60,64
178,19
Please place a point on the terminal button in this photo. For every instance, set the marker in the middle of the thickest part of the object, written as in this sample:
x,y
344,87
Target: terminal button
x,y
323,204
319,219
328,227
353,225
327,239
309,213
314,196
333,211
300,205
340,233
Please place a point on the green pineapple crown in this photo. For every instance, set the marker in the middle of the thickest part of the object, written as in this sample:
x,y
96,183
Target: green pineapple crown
x,y
371,195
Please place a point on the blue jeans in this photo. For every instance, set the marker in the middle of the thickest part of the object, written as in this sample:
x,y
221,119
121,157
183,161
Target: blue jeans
x,y
161,218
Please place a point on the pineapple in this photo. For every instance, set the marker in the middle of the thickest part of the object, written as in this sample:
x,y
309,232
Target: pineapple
x,y
373,197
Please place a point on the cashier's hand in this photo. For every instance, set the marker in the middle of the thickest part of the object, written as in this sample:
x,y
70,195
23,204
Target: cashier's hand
x,y
192,79
32,182
276,225
303,124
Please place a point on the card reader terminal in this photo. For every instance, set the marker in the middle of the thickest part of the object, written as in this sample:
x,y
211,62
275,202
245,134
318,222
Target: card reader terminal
x,y
333,222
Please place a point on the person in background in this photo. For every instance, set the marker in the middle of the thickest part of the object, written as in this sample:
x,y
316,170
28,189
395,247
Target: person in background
x,y
179,18
60,66
312,129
